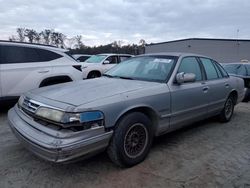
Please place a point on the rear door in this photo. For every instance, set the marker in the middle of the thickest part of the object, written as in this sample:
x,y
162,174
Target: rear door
x,y
188,100
218,85
23,68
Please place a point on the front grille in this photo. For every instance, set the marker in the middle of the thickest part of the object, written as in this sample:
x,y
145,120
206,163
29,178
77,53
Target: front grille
x,y
29,106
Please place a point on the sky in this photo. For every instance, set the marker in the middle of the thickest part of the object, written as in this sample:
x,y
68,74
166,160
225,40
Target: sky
x,y
104,21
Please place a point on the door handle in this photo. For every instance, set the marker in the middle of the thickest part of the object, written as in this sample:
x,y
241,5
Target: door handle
x,y
205,89
226,85
43,71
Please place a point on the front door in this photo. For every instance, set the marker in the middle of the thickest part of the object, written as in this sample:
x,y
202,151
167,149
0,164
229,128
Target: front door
x,y
188,100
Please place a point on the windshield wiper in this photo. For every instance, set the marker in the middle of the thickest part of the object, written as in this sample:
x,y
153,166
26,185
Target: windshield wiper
x,y
123,77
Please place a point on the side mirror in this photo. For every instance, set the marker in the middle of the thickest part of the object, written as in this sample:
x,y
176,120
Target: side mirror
x,y
185,77
106,62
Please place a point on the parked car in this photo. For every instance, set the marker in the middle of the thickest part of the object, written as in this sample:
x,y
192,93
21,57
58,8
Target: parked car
x,y
96,65
122,111
81,57
241,70
25,66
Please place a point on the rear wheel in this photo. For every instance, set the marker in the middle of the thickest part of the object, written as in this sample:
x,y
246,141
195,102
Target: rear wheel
x,y
93,75
132,140
228,110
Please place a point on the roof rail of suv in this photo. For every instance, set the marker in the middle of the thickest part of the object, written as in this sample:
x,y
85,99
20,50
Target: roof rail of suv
x,y
17,42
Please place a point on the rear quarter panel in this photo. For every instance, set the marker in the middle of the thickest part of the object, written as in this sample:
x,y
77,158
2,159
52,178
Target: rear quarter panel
x,y
238,85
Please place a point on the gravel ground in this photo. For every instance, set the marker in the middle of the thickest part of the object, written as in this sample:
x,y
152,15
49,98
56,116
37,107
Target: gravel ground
x,y
205,154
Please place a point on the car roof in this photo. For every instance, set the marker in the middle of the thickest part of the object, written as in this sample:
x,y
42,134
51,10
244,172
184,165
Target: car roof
x,y
80,55
114,54
178,54
25,44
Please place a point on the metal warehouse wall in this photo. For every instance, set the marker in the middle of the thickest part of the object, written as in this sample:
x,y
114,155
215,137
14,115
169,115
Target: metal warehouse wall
x,y
222,50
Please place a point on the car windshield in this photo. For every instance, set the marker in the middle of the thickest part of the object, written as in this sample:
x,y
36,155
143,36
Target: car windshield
x,y
96,59
148,68
237,69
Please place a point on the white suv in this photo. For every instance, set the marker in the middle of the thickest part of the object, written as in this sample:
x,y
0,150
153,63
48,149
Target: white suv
x,y
96,65
25,66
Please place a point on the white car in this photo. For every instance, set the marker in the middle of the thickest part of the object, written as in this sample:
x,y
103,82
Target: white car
x,y
25,66
96,65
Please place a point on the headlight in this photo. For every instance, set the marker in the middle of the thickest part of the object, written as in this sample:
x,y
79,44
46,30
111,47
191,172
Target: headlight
x,y
85,119
50,114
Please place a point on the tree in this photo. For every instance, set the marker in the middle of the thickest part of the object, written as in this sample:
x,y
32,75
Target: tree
x,y
46,36
79,43
142,43
20,34
57,39
30,34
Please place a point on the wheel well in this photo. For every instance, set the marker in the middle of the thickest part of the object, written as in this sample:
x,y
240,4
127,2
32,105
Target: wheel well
x,y
234,94
151,114
55,80
94,71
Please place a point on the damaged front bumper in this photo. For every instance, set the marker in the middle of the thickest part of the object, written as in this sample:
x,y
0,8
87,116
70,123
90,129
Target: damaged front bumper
x,y
56,145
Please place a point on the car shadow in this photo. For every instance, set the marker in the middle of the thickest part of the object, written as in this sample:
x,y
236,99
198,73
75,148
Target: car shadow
x,y
167,140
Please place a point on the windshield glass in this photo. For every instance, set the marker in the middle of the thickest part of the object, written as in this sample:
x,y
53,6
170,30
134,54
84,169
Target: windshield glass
x,y
96,59
148,68
236,69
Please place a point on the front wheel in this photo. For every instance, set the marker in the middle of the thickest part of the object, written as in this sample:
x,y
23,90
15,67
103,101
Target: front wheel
x,y
132,140
228,110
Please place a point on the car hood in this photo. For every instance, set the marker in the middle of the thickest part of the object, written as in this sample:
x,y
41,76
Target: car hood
x,y
86,91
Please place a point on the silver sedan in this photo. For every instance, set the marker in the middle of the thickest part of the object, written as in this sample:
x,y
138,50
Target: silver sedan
x,y
121,112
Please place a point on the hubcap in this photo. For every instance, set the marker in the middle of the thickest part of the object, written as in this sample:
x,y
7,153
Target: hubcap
x,y
228,108
136,140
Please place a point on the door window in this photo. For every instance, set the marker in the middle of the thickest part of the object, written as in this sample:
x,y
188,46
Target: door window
x,y
112,59
17,54
209,68
191,65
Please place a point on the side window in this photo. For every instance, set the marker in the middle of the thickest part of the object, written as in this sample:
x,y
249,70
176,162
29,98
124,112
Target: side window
x,y
191,65
209,68
218,70
113,59
16,54
224,73
123,58
46,55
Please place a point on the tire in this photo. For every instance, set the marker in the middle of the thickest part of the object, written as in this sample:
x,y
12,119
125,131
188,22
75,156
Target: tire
x,y
131,140
93,75
228,110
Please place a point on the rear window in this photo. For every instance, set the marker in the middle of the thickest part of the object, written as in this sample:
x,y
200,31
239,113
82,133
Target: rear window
x,y
16,54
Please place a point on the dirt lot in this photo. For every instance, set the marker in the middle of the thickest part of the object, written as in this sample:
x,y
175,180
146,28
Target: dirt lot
x,y
206,154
